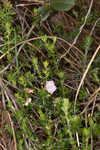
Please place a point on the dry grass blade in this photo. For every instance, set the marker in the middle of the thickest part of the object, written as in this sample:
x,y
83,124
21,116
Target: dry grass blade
x,y
84,75
7,142
3,148
38,49
80,30
7,95
12,126
28,40
91,100
94,104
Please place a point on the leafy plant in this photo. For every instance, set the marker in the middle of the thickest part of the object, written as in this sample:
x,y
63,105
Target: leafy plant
x,y
62,4
87,42
45,119
58,5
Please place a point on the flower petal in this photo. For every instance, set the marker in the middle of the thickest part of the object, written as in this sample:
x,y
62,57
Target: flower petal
x,y
50,87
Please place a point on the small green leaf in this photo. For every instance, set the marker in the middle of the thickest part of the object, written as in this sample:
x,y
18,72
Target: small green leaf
x,y
45,63
35,11
44,12
44,38
87,132
62,4
42,115
35,60
65,105
87,42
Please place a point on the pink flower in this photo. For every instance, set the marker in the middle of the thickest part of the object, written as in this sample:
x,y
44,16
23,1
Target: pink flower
x,y
50,87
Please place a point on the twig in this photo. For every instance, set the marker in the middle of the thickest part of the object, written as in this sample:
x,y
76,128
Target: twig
x,y
2,147
94,26
86,50
3,101
91,100
7,93
77,137
13,86
38,49
28,40
80,30
12,126
91,139
14,59
93,105
84,75
1,87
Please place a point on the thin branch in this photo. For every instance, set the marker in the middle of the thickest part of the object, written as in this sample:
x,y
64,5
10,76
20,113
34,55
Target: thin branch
x,y
12,126
84,75
28,40
3,148
91,100
80,30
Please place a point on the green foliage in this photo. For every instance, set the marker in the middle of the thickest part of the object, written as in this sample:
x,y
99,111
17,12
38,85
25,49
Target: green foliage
x,y
66,106
50,45
82,93
44,12
87,42
7,30
62,4
6,18
48,122
59,5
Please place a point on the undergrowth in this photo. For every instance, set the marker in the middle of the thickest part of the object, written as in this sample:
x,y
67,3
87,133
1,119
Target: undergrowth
x,y
32,52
